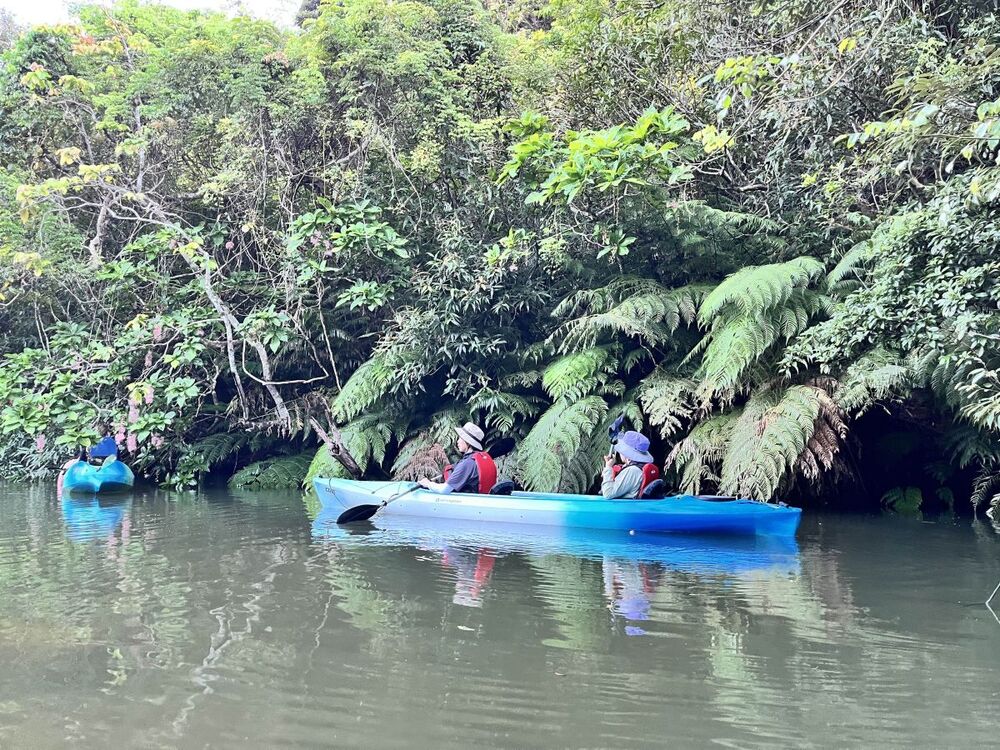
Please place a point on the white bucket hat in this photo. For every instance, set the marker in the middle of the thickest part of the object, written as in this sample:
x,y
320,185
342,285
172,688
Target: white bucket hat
x,y
471,434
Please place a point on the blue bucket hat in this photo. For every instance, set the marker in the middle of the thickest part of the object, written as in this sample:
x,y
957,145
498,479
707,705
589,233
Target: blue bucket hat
x,y
634,446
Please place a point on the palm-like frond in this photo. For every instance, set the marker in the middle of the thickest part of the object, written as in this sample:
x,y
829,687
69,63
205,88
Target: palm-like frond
x,y
875,377
775,434
552,444
697,455
755,289
639,308
369,383
668,400
273,473
575,375
501,410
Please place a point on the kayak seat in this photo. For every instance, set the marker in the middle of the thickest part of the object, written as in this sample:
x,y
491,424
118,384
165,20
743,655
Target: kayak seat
x,y
655,490
506,487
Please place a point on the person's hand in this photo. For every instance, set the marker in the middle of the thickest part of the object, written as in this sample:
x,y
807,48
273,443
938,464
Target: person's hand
x,y
424,482
609,460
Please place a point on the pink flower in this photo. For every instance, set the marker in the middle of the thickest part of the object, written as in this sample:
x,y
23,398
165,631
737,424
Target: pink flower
x,y
133,412
149,395
157,441
149,360
119,433
40,443
230,245
131,443
157,332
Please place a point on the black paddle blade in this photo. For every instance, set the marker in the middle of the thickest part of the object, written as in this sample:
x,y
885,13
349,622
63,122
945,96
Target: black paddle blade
x,y
358,513
616,427
501,447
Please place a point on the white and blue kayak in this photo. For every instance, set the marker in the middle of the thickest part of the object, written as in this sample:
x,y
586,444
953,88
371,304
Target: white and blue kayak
x,y
681,513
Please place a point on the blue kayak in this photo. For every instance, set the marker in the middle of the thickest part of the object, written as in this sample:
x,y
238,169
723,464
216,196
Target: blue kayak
x,y
82,477
681,513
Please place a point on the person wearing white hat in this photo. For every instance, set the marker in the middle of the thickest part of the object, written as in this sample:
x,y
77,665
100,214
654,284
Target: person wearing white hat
x,y
464,476
633,448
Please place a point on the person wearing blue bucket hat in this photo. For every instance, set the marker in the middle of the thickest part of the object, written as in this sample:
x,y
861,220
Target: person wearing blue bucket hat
x,y
633,447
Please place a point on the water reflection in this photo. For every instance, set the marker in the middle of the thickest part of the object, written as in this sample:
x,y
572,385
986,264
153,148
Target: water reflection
x,y
577,571
90,518
214,620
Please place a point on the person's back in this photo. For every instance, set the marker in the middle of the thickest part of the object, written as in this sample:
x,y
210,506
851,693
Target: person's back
x,y
105,448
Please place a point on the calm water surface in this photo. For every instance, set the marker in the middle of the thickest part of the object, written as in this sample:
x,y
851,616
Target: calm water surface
x,y
223,620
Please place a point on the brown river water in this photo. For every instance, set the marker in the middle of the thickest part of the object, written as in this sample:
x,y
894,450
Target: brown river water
x,y
223,620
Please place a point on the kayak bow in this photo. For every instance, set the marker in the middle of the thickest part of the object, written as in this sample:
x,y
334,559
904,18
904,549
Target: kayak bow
x,y
113,476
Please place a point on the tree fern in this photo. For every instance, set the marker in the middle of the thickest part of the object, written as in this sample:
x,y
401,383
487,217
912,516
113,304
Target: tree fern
x,y
639,308
747,314
501,410
273,473
575,375
755,289
986,489
874,377
370,382
698,455
772,436
668,400
551,445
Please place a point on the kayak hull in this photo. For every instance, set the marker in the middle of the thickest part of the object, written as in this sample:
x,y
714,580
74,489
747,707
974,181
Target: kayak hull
x,y
682,513
83,478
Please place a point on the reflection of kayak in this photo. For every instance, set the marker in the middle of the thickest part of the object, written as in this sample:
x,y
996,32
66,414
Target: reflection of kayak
x,y
682,513
86,519
725,555
113,476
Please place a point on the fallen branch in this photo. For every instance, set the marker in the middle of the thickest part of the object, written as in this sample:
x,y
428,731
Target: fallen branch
x,y
337,448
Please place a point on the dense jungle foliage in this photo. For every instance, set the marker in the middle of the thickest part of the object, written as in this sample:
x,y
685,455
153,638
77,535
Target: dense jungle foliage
x,y
766,231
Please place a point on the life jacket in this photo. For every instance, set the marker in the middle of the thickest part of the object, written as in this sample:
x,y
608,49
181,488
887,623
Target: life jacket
x,y
486,469
650,473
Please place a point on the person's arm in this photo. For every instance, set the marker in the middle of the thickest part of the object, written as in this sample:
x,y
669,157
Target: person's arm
x,y
460,474
626,484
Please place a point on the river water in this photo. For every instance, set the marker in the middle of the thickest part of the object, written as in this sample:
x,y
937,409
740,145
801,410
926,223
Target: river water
x,y
220,620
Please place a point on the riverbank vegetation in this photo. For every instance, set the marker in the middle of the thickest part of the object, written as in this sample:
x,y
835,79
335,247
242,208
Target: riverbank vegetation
x,y
765,231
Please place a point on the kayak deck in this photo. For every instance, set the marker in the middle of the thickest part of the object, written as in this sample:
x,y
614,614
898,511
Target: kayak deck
x,y
681,513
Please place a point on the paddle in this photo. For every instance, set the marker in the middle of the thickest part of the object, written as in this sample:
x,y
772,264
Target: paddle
x,y
364,512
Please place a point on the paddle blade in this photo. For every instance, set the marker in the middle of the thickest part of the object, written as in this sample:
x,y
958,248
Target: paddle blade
x,y
358,513
616,427
501,447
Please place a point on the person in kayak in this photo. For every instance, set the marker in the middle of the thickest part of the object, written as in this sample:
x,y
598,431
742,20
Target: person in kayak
x,y
471,469
633,448
105,448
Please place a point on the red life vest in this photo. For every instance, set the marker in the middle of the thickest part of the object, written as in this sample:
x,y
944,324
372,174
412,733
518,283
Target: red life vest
x,y
486,468
650,473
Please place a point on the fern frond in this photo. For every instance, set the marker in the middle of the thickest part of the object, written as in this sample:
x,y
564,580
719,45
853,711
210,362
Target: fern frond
x,y
874,377
967,445
369,383
668,400
272,474
697,455
773,433
575,375
501,410
849,265
649,312
756,289
552,444
986,489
